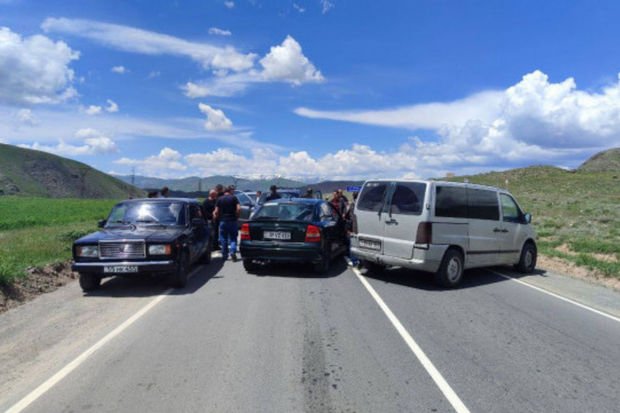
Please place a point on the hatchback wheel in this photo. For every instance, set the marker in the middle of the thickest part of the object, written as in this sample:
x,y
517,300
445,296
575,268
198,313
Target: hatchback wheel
x,y
249,265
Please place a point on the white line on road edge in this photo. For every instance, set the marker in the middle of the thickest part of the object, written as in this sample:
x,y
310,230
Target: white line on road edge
x,y
443,385
568,300
49,383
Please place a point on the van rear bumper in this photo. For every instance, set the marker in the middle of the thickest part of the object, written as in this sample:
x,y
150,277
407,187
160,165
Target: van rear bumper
x,y
427,259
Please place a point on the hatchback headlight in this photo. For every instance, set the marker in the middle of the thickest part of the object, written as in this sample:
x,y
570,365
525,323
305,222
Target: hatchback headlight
x,y
90,251
163,249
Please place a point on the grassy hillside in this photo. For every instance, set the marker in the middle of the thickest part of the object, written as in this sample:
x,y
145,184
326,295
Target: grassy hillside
x,y
576,213
603,162
27,172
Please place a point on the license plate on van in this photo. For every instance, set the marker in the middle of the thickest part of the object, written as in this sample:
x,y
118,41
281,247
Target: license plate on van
x,y
280,235
370,244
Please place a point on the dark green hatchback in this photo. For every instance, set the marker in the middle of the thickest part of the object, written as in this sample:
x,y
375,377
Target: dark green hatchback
x,y
293,230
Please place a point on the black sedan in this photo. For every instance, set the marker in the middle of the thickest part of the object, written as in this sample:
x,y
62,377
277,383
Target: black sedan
x,y
144,236
293,230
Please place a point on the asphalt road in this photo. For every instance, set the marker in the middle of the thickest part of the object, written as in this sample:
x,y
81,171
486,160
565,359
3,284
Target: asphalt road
x,y
286,340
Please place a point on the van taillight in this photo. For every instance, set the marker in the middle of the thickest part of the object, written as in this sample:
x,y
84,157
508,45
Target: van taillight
x,y
313,234
245,232
425,233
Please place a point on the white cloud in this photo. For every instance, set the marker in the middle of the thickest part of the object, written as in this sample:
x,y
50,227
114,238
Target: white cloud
x,y
93,110
219,32
112,106
136,40
35,69
26,117
326,6
167,163
534,121
93,143
153,74
284,63
298,8
119,69
216,119
287,63
229,4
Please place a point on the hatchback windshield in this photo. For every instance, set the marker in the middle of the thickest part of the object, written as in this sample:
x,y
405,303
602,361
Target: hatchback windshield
x,y
283,194
145,213
285,212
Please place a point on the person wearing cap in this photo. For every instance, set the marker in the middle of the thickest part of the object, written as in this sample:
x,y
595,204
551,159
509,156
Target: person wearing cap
x,y
227,210
274,193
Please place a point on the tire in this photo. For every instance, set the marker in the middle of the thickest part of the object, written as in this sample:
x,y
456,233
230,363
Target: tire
x,y
450,271
322,266
372,267
89,282
178,279
527,260
249,265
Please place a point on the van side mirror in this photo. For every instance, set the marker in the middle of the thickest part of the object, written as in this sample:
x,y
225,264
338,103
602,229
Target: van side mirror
x,y
101,223
527,218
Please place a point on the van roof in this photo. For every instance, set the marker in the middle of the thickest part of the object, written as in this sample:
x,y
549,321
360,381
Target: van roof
x,y
431,181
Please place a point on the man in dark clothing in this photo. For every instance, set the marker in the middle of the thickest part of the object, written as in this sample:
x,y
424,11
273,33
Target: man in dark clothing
x,y
274,193
208,207
219,188
227,209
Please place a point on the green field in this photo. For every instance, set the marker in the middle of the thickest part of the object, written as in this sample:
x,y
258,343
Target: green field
x,y
39,231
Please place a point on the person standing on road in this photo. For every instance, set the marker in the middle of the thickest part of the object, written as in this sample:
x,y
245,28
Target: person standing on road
x,y
274,193
209,207
351,260
164,192
227,209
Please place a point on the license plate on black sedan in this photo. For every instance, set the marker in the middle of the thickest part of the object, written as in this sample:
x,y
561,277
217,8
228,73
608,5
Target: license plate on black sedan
x,y
370,244
277,235
120,269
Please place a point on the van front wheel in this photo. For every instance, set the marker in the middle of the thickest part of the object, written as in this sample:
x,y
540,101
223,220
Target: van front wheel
x,y
527,261
450,271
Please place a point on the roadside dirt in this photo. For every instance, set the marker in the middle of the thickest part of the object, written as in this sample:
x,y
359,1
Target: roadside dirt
x,y
572,270
37,282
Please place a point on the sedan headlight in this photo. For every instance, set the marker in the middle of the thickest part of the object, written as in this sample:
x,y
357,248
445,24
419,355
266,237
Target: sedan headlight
x,y
90,251
163,249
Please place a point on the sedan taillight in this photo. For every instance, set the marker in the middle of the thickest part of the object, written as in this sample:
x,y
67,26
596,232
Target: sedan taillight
x,y
313,234
245,232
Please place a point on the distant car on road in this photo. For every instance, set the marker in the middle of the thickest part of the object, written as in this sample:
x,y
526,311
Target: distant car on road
x,y
288,193
293,230
144,236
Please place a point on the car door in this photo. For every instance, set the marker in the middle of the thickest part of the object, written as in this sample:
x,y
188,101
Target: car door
x,y
369,211
485,227
405,202
514,230
333,227
198,232
247,206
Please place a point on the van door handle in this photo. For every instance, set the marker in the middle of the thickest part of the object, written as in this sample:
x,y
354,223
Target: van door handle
x,y
392,221
500,230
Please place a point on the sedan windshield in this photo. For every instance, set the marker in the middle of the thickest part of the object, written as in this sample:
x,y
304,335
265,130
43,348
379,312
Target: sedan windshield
x,y
285,212
147,213
283,195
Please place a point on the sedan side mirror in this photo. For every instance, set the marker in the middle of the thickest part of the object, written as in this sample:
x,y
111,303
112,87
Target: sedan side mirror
x,y
101,223
527,218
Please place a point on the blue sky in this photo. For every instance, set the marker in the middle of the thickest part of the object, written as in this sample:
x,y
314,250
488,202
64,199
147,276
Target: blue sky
x,y
315,89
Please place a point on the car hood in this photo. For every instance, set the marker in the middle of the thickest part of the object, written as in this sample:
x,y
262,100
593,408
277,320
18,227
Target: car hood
x,y
140,233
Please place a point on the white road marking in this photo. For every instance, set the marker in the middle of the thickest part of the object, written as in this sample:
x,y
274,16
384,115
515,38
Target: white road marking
x,y
559,297
65,371
443,385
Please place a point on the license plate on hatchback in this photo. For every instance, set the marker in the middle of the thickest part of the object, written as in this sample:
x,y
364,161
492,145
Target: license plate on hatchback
x,y
279,235
120,269
370,244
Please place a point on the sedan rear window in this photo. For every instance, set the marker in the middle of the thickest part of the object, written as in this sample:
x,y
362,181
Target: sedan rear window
x,y
285,212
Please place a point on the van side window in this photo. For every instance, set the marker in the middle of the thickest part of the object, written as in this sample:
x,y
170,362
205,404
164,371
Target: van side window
x,y
510,209
482,204
372,196
451,201
408,198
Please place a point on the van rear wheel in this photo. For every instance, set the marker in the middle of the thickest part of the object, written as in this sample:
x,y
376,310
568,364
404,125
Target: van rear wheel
x,y
450,271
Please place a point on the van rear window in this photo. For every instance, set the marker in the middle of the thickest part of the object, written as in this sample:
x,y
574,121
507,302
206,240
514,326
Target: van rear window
x,y
372,196
451,201
482,204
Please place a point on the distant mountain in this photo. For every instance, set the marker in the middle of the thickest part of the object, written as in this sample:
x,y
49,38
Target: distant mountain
x,y
34,173
605,161
197,184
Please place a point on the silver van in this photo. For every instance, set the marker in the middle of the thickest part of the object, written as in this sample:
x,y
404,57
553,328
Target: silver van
x,y
440,227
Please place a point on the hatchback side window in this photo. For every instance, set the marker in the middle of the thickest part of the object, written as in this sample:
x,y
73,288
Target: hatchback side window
x,y
510,209
408,198
482,204
372,197
451,201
